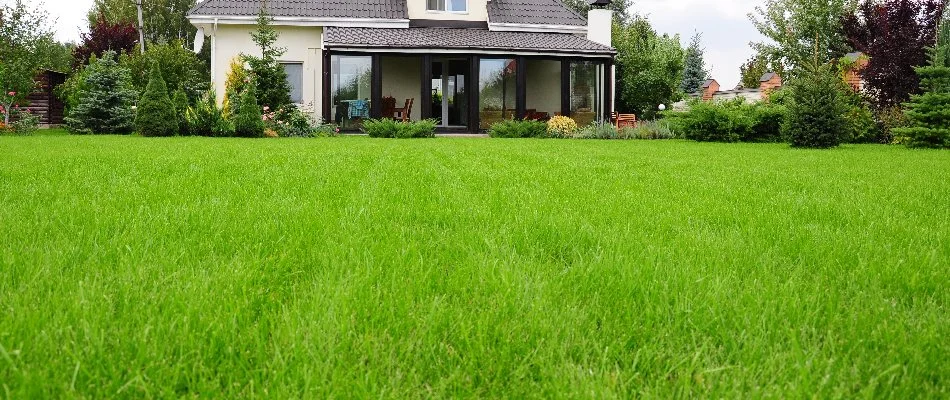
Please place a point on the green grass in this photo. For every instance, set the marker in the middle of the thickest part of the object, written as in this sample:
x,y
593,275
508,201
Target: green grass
x,y
356,267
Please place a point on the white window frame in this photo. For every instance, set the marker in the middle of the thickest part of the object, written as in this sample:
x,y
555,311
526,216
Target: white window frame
x,y
302,72
446,11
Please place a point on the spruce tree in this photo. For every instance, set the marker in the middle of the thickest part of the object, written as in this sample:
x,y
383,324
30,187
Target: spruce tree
x,y
247,120
817,114
273,90
156,114
105,100
180,99
928,112
694,72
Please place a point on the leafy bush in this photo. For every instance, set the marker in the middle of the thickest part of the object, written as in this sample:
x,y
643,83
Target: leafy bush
x,y
887,120
380,128
561,126
291,121
730,121
248,121
206,119
25,123
103,99
388,128
647,130
598,130
156,115
510,128
816,115
416,129
767,121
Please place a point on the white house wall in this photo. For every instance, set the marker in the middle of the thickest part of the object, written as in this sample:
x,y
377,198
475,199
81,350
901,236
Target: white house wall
x,y
303,45
477,11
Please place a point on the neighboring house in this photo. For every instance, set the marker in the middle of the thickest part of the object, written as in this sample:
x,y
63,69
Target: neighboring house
x,y
465,63
42,102
852,76
769,82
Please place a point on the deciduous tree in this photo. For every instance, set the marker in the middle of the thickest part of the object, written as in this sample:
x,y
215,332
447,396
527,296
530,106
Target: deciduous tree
x,y
795,28
649,67
120,37
895,34
23,31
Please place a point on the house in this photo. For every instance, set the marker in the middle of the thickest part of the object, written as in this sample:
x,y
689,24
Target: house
x,y
857,61
769,82
464,63
42,102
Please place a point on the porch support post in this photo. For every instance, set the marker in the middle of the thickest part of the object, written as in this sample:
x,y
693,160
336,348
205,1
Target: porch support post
x,y
566,87
608,89
472,87
326,87
425,97
521,89
376,93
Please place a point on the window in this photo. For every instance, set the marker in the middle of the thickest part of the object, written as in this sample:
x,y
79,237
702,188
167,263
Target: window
x,y
295,80
350,87
497,90
447,5
586,92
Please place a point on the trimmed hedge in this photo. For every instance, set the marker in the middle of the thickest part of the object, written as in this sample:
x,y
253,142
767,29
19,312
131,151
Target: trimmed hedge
x,y
511,128
388,128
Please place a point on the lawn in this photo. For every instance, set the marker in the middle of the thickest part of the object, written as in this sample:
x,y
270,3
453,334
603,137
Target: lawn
x,y
357,268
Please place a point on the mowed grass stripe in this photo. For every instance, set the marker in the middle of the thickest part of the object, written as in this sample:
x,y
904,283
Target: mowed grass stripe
x,y
356,267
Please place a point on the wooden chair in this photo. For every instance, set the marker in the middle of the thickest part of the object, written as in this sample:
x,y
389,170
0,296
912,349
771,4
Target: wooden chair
x,y
624,120
403,113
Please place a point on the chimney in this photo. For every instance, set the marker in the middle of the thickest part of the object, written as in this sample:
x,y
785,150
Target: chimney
x,y
710,88
600,26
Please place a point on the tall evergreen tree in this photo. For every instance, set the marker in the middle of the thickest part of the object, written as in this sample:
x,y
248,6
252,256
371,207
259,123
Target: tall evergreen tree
x,y
247,118
156,114
274,90
105,100
927,113
694,66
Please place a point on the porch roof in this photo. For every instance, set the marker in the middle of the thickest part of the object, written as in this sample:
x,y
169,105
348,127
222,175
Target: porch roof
x,y
472,40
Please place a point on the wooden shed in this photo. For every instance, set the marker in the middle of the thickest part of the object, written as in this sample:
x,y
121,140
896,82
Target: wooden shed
x,y
43,102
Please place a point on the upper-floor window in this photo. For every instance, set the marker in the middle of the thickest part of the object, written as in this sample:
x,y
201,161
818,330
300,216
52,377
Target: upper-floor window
x,y
447,5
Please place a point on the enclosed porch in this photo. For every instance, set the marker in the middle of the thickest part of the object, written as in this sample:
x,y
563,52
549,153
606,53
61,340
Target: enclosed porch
x,y
465,89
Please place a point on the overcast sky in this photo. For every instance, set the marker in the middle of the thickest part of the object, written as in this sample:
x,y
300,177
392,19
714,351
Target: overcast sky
x,y
724,24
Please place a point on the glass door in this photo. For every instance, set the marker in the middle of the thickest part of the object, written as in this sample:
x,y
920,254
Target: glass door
x,y
449,99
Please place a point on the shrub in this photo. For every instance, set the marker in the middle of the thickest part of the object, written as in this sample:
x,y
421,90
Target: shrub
x,y
26,123
180,100
597,130
647,130
887,120
206,119
767,120
416,129
248,121
816,115
388,128
510,128
103,100
715,122
290,121
379,128
156,114
234,84
561,126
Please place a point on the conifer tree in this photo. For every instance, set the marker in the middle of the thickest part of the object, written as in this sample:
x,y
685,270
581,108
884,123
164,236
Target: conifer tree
x,y
816,115
273,90
247,120
928,112
694,71
105,100
156,114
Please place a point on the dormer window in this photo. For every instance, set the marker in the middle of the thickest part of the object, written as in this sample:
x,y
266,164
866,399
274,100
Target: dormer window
x,y
459,6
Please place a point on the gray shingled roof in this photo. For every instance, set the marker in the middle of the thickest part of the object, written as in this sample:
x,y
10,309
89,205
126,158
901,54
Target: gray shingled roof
x,y
386,9
767,76
545,12
475,39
